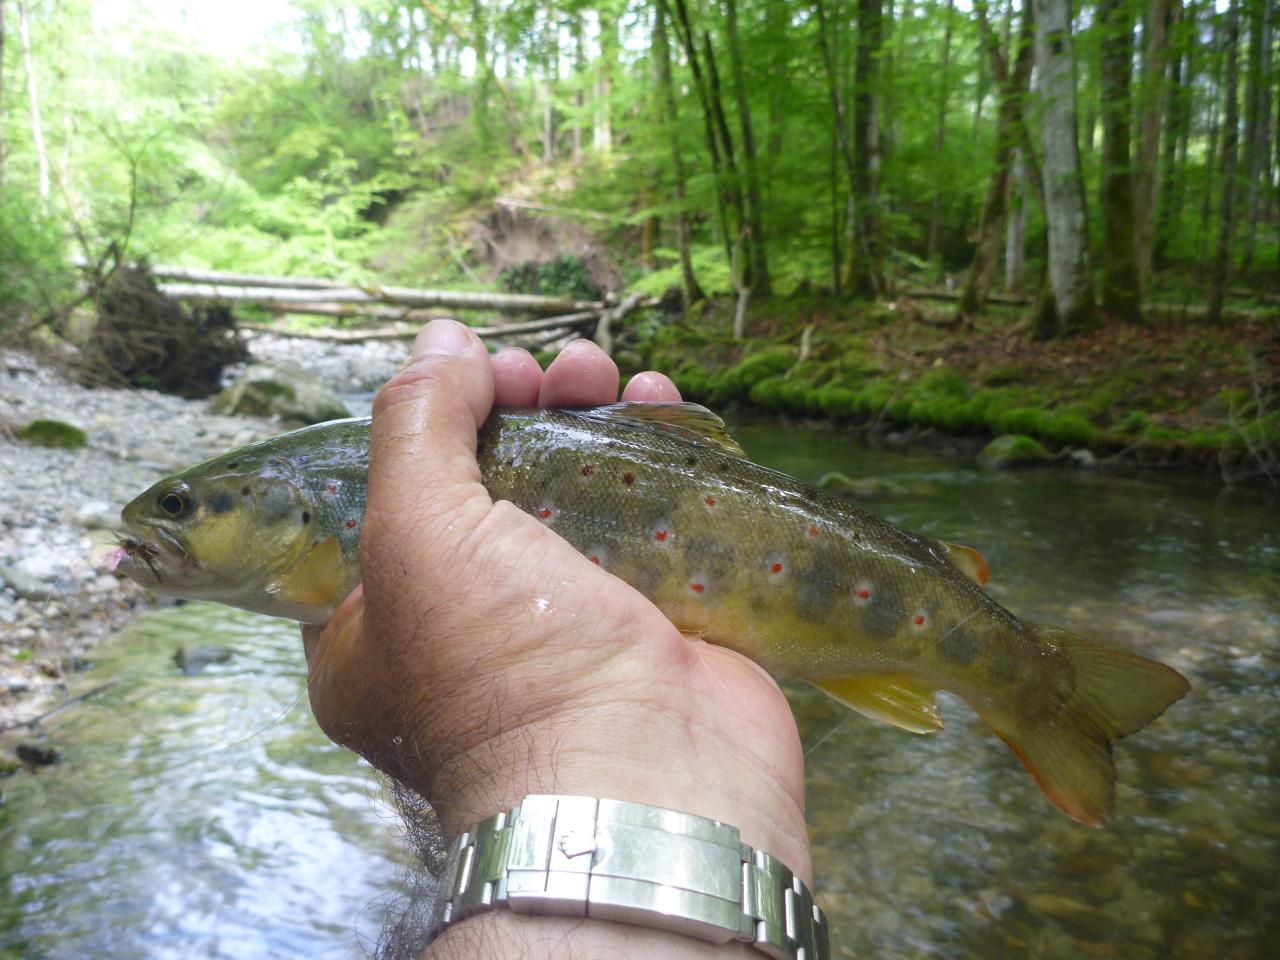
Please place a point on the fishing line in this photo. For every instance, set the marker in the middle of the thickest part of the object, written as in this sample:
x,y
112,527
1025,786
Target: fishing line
x,y
827,736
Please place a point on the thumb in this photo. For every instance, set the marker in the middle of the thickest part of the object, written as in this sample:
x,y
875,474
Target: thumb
x,y
422,464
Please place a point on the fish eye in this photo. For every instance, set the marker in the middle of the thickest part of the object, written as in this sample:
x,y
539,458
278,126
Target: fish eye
x,y
173,503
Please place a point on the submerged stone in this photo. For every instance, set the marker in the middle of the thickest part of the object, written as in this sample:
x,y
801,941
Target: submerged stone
x,y
1013,450
194,660
53,433
39,754
281,390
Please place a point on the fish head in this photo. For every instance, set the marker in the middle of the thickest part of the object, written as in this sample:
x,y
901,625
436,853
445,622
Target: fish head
x,y
227,530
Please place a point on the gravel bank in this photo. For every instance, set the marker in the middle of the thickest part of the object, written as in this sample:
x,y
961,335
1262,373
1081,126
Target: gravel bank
x,y
59,509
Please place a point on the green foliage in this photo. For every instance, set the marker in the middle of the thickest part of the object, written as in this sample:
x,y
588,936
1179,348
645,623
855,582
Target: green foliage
x,y
565,275
53,433
33,267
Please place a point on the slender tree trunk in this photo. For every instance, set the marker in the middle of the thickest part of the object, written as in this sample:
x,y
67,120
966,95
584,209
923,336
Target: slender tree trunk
x,y
1121,288
1211,154
1259,98
684,29
33,102
484,71
866,272
754,212
579,81
828,28
1016,234
939,135
606,65
1069,280
1175,109
1153,96
1227,215
714,97
662,54
3,159
1013,88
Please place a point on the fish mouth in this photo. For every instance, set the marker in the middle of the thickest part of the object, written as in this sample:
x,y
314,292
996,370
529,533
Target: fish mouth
x,y
162,556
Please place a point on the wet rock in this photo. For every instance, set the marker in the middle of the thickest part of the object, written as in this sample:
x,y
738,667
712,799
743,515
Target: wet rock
x,y
1076,918
53,433
865,488
281,390
26,586
1081,459
1013,450
98,515
38,754
194,660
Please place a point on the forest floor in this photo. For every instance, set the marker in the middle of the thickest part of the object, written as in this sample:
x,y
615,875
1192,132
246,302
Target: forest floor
x,y
1170,395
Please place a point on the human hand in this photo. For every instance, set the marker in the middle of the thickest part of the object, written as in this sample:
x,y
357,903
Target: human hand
x,y
484,658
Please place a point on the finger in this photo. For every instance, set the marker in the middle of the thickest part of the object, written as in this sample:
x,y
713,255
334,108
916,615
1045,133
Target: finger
x,y
517,378
651,387
422,465
582,376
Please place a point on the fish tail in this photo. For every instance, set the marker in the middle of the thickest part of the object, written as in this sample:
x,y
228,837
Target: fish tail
x,y
1067,747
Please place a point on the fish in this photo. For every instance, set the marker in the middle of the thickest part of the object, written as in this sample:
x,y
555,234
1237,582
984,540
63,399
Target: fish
x,y
806,584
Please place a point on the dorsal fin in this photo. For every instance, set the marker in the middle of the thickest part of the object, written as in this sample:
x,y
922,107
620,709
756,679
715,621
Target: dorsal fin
x,y
687,420
967,560
889,699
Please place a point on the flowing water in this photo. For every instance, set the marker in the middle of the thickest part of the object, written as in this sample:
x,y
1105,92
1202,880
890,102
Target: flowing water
x,y
206,816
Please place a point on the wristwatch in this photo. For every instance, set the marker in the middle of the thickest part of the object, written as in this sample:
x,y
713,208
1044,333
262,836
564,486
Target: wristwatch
x,y
631,863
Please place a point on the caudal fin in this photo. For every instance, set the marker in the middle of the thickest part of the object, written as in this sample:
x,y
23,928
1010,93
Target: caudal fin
x,y
1068,748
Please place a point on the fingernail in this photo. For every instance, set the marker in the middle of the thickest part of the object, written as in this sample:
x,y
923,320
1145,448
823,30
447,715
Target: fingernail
x,y
442,336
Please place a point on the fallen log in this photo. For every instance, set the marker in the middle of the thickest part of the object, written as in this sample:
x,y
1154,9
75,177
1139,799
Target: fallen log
x,y
409,331
604,329
1011,299
404,296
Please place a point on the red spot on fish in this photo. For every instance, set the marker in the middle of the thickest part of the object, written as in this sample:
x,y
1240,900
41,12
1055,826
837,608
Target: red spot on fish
x,y
588,471
697,587
628,478
596,561
711,501
660,536
544,513
351,524
813,531
333,488
776,568
919,619
864,594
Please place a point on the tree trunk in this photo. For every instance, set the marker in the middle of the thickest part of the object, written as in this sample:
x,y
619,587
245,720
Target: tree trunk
x,y
684,30
828,43
1153,97
662,55
1174,111
607,65
3,161
865,275
1258,130
754,212
1015,235
33,102
1012,87
721,125
1227,207
939,136
1072,288
1121,288
579,80
1211,159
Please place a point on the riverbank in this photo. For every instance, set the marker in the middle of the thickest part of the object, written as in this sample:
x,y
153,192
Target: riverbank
x,y
59,508
1174,397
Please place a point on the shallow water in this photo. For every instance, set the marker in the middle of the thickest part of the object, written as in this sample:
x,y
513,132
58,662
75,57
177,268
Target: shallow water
x,y
206,816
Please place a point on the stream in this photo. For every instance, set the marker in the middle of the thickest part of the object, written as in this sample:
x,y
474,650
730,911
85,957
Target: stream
x,y
206,815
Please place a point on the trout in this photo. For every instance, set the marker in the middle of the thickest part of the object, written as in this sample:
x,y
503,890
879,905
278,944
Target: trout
x,y
659,495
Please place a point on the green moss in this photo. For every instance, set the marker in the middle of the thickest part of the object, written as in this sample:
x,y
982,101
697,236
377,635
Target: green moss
x,y
53,433
1013,450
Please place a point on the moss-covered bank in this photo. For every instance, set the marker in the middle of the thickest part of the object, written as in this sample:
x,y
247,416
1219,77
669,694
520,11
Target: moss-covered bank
x,y
1160,395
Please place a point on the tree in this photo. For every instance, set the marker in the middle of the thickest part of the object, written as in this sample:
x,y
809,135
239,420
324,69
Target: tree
x,y
1155,68
1258,121
1227,207
2,154
662,56
1121,289
939,135
1070,307
1013,88
33,102
759,258
866,277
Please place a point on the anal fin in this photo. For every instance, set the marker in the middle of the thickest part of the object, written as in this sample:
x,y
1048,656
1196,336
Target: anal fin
x,y
888,698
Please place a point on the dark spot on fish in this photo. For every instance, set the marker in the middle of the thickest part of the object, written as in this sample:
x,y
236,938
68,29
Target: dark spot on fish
x,y
628,478
588,470
691,461
1003,668
306,517
244,491
233,464
816,587
960,646
302,460
221,503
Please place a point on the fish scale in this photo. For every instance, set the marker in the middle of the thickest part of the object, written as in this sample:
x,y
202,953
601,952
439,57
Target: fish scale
x,y
802,582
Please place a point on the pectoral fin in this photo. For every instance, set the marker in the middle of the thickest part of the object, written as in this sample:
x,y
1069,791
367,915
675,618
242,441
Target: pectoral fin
x,y
889,699
316,579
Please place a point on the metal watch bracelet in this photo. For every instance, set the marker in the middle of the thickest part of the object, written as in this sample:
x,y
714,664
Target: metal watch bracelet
x,y
631,863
